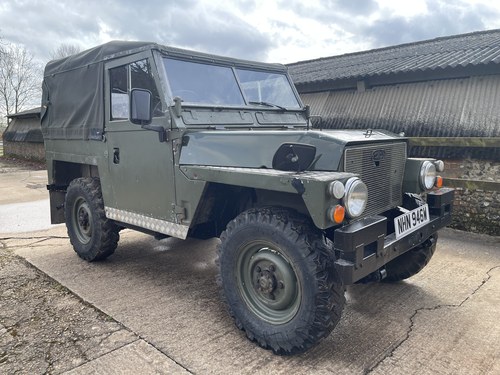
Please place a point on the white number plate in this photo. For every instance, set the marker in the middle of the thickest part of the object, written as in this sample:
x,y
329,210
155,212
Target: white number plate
x,y
411,220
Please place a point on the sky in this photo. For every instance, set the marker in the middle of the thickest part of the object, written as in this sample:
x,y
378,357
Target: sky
x,y
271,31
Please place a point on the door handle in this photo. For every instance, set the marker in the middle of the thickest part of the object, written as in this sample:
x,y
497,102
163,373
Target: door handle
x,y
116,156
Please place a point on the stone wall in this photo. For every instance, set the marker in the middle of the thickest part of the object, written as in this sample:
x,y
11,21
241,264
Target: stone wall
x,y
24,150
476,209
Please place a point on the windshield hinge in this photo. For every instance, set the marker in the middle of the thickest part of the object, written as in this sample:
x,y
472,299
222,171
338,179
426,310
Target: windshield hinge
x,y
173,134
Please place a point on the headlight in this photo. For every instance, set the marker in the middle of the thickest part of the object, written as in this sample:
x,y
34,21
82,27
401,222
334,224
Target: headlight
x,y
427,175
439,165
336,189
356,196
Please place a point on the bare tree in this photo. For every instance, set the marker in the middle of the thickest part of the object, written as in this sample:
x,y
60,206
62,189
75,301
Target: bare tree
x,y
20,79
3,119
64,50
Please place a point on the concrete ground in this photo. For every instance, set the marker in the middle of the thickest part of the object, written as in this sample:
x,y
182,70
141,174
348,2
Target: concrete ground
x,y
24,200
161,299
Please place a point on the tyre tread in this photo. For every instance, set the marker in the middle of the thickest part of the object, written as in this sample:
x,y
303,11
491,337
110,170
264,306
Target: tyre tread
x,y
411,262
107,241
329,298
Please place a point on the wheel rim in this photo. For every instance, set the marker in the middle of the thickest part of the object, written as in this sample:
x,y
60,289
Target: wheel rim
x,y
268,283
82,220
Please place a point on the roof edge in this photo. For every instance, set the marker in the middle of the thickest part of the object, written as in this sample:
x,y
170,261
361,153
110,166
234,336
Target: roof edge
x,y
441,38
27,113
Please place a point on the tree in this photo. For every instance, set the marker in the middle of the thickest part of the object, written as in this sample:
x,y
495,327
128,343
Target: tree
x,y
64,50
3,120
20,79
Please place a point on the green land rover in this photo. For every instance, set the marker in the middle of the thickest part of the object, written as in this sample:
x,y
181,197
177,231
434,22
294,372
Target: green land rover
x,y
177,143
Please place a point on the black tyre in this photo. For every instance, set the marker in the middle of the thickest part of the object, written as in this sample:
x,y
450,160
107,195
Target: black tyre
x,y
277,278
92,235
411,262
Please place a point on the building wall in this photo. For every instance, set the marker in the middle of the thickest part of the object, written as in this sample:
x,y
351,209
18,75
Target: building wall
x,y
24,150
23,137
465,107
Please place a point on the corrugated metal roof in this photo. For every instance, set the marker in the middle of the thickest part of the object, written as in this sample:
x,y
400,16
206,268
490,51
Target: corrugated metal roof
x,y
24,129
34,112
441,53
463,107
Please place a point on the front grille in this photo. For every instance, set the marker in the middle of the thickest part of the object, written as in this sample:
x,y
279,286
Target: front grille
x,y
381,168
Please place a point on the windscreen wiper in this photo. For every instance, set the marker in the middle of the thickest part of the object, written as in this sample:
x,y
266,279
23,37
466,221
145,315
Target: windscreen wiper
x,y
267,104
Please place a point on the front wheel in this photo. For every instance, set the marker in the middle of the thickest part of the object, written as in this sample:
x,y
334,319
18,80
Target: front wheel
x,y
92,235
278,281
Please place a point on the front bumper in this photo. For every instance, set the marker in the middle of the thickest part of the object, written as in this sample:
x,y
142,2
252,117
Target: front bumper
x,y
364,246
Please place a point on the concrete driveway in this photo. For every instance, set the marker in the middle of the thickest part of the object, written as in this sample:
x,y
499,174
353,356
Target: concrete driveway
x,y
445,320
24,200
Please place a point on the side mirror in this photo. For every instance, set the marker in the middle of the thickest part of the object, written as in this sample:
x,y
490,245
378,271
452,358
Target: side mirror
x,y
141,113
140,107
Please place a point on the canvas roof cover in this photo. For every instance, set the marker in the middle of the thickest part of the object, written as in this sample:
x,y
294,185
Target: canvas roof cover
x,y
73,91
73,87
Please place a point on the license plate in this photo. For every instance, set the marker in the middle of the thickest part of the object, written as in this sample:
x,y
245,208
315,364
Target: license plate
x,y
411,220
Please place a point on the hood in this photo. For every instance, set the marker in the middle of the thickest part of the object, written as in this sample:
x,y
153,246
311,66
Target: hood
x,y
256,148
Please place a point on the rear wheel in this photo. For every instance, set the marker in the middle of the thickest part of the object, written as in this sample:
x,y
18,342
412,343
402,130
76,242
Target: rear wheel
x,y
278,281
92,235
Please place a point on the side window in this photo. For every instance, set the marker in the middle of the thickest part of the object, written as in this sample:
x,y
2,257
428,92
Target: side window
x,y
142,78
118,78
122,79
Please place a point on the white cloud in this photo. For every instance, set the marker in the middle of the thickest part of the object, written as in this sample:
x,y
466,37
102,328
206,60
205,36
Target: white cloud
x,y
406,9
276,31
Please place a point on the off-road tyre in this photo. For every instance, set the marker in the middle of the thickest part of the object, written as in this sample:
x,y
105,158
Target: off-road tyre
x,y
276,249
411,262
93,236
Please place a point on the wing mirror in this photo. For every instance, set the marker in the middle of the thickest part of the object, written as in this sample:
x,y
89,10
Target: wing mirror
x,y
141,113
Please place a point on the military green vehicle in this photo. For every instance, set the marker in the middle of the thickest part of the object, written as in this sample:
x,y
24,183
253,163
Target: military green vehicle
x,y
177,143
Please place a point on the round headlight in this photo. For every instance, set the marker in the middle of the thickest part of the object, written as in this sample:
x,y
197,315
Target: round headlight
x,y
427,175
356,196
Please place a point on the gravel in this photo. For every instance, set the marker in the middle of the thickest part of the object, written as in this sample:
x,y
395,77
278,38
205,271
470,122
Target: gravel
x,y
44,328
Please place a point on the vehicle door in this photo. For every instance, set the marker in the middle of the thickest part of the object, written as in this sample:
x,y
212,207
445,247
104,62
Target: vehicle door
x,y
141,176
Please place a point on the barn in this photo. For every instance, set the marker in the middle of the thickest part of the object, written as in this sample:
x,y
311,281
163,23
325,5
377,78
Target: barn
x,y
23,136
444,94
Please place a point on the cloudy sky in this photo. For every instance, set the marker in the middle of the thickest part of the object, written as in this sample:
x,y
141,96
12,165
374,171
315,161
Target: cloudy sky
x,y
275,31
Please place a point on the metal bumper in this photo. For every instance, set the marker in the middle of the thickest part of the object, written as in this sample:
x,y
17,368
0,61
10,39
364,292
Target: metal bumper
x,y
364,246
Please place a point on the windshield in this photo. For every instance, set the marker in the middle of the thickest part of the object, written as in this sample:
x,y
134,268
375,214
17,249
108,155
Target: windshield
x,y
265,87
209,84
